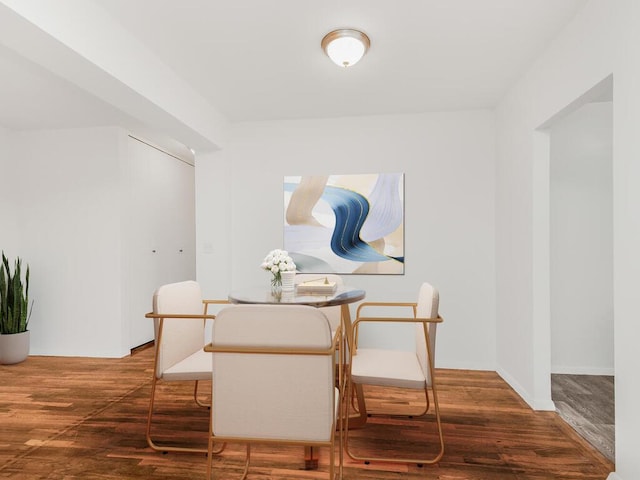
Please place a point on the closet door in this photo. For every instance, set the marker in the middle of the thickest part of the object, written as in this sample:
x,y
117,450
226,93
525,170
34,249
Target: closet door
x,y
159,243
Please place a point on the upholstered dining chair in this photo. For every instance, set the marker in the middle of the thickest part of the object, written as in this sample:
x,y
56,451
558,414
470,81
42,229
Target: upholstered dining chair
x,y
255,402
402,369
179,315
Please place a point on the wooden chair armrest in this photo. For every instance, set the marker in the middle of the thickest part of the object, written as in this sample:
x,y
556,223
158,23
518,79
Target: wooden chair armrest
x,y
191,316
385,304
438,319
216,301
364,305
283,350
179,315
359,319
413,305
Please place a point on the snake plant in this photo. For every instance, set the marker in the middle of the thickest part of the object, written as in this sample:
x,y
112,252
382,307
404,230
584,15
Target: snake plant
x,y
14,298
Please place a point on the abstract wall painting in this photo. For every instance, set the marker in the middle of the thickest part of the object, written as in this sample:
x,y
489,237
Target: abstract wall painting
x,y
345,224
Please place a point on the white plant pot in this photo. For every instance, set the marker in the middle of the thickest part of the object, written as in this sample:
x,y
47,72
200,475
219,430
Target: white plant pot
x,y
14,347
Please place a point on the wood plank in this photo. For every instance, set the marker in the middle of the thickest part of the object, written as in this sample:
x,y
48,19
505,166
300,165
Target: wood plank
x,y
85,418
587,403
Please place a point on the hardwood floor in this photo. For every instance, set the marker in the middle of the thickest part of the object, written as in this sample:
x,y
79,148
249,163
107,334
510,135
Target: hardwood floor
x,y
77,418
586,402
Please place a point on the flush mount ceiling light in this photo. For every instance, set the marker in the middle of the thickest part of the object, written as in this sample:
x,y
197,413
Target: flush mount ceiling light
x,y
345,47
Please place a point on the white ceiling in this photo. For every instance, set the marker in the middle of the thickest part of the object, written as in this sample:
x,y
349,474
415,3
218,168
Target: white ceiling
x,y
257,59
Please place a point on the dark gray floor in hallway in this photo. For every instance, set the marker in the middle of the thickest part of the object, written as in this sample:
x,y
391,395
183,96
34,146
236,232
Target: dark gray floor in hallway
x,y
586,402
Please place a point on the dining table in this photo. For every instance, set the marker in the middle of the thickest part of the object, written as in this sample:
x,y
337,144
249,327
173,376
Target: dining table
x,y
342,296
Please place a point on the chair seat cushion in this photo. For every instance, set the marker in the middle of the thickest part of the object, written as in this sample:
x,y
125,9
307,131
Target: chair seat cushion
x,y
387,368
197,366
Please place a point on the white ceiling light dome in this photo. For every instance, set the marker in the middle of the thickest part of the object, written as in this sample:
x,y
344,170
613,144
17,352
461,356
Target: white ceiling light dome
x,y
345,47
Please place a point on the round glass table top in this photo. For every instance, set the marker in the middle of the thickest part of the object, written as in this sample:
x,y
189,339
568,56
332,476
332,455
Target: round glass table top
x,y
265,295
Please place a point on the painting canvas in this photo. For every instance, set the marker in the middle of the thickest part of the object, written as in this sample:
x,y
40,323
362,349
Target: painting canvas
x,y
345,223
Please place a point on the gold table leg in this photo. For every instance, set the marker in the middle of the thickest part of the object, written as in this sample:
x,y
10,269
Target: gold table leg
x,y
359,419
355,420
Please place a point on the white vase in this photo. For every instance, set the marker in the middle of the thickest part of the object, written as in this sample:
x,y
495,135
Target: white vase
x,y
288,283
14,347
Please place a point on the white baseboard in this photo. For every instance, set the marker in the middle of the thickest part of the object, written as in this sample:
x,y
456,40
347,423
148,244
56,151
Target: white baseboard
x,y
546,405
582,370
614,476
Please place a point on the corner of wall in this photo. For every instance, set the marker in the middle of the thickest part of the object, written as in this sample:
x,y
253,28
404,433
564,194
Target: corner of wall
x,y
535,404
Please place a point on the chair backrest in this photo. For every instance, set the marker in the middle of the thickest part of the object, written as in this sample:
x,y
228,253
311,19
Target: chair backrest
x,y
273,395
180,337
333,313
428,301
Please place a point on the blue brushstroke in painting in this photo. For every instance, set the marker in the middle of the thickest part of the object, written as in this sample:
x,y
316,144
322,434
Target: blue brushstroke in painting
x,y
351,210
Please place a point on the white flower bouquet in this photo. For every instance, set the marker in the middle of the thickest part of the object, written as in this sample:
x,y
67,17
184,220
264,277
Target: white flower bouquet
x,y
276,262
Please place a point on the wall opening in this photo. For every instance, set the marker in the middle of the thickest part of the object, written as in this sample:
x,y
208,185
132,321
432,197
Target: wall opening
x,y
580,265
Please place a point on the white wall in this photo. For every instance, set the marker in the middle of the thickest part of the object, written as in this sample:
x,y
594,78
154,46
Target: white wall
x,y
66,186
448,161
626,232
557,79
9,235
89,207
582,241
603,39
